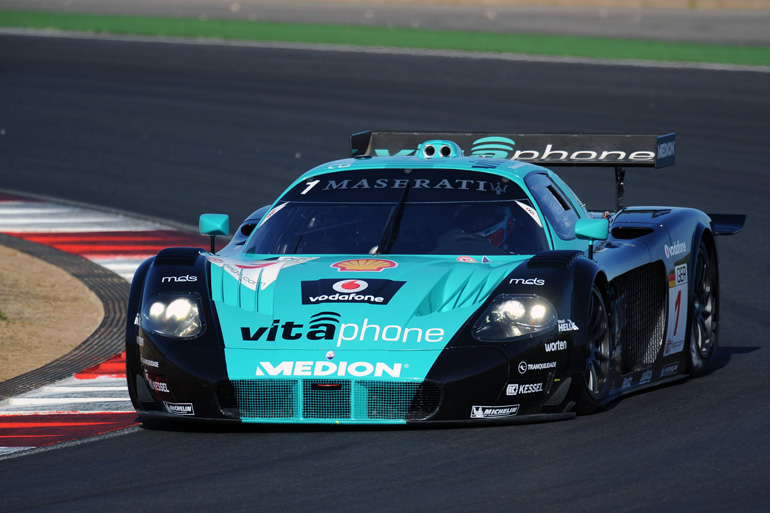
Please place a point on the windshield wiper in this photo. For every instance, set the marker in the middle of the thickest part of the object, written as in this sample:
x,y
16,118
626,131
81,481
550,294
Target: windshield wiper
x,y
391,229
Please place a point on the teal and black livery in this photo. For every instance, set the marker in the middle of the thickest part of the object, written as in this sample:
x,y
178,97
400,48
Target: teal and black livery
x,y
431,278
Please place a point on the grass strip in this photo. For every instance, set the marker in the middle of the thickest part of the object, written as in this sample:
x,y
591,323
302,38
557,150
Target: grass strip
x,y
534,44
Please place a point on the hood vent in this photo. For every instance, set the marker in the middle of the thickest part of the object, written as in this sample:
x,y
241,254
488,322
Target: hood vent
x,y
178,256
558,259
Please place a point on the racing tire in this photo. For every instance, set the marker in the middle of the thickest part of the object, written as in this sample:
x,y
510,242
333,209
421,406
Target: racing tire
x,y
595,377
704,310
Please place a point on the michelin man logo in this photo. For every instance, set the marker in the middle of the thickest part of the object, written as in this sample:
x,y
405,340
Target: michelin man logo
x,y
493,147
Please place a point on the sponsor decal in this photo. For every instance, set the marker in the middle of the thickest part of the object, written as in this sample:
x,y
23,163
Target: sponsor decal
x,y
541,366
459,184
673,347
258,274
467,260
505,148
150,363
178,279
364,265
330,355
158,386
680,274
485,412
669,370
646,377
493,147
528,281
272,213
626,383
567,325
350,286
485,260
140,340
323,326
322,368
390,333
531,212
524,366
527,388
179,408
677,310
558,345
674,249
378,292
666,149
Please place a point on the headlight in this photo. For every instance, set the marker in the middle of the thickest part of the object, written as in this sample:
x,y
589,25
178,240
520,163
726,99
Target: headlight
x,y
513,316
173,315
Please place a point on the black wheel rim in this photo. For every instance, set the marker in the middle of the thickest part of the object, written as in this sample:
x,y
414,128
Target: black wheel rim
x,y
598,348
703,308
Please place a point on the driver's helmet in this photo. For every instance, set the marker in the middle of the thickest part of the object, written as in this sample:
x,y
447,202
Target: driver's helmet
x,y
490,221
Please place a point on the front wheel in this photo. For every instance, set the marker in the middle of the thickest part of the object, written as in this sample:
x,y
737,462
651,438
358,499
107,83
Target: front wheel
x,y
597,357
704,312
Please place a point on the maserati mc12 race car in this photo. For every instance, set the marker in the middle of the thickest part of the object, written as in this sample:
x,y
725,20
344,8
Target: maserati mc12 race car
x,y
431,278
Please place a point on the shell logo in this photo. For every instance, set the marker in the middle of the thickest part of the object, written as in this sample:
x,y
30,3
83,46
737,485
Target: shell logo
x,y
364,265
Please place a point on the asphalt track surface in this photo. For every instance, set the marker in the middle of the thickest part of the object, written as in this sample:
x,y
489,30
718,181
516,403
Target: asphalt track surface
x,y
170,131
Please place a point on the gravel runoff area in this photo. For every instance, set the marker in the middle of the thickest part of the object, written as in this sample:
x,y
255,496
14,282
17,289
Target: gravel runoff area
x,y
44,313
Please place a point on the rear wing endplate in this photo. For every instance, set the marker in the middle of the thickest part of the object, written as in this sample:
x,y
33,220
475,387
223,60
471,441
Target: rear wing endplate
x,y
607,150
727,224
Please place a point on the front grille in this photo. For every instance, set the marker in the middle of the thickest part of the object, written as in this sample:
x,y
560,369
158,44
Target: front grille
x,y
314,399
391,401
267,399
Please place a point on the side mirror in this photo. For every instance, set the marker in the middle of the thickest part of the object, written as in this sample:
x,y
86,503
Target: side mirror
x,y
213,225
591,230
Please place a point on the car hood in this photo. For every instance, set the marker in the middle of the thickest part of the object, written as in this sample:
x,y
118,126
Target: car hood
x,y
316,309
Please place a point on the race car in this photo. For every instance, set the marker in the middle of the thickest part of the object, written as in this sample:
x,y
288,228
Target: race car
x,y
431,278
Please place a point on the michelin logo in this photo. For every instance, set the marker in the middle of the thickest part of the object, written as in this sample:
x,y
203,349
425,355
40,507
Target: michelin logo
x,y
486,412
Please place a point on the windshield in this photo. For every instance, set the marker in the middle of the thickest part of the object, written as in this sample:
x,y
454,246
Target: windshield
x,y
401,211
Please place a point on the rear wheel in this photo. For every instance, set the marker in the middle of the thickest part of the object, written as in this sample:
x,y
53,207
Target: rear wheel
x,y
704,310
597,361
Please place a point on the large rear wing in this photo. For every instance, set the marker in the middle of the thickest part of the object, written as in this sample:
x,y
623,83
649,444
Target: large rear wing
x,y
608,150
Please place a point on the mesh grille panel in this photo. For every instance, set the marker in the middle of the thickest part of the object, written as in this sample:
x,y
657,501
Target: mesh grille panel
x,y
386,400
328,399
646,288
324,399
266,398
